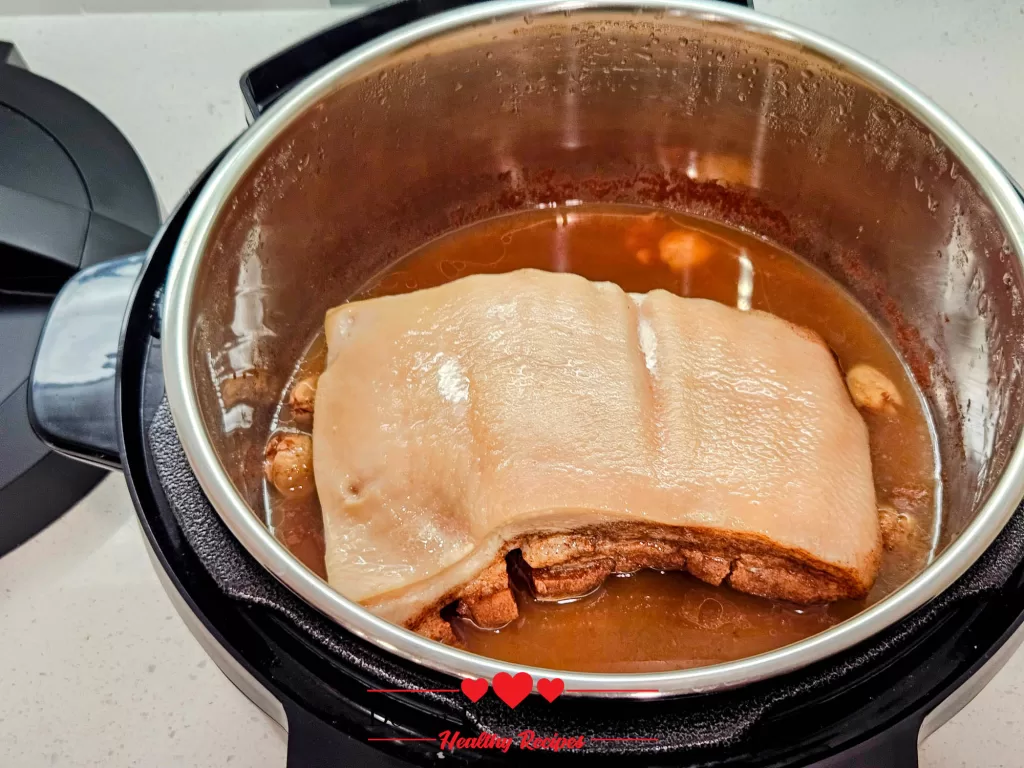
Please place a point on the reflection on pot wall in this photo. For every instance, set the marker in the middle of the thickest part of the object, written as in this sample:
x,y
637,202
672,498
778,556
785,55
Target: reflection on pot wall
x,y
236,368
690,113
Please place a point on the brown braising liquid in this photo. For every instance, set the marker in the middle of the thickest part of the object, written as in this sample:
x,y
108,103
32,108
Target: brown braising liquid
x,y
648,621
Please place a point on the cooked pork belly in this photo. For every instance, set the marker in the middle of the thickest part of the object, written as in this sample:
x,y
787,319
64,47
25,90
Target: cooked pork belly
x,y
595,432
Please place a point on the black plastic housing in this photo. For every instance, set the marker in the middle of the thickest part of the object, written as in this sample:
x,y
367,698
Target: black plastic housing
x,y
73,194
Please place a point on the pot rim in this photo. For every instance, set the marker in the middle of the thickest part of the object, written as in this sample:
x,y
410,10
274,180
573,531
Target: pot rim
x,y
265,548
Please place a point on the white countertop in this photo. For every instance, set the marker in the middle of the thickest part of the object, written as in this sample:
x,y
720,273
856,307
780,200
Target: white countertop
x,y
97,668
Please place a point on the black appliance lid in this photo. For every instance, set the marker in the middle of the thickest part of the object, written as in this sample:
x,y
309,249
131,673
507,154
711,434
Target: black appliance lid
x,y
73,194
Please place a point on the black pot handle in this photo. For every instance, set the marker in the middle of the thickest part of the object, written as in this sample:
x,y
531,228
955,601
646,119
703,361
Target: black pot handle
x,y
72,387
269,80
312,744
895,747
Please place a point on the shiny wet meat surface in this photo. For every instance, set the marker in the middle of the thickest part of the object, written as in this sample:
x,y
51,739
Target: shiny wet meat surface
x,y
649,621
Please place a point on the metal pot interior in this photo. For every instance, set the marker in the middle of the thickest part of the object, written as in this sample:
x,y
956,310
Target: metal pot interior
x,y
710,111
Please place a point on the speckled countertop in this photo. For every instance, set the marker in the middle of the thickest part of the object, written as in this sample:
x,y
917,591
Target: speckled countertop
x,y
96,668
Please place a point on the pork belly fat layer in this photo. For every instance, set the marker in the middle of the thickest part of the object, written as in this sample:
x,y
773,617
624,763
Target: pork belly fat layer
x,y
592,429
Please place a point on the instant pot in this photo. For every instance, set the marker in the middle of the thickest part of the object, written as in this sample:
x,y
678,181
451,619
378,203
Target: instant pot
x,y
385,131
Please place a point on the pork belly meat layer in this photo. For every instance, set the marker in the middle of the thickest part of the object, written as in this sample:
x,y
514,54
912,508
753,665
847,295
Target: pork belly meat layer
x,y
595,431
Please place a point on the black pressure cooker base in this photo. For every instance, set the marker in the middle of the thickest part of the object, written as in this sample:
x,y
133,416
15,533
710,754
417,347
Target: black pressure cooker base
x,y
688,726
683,726
863,707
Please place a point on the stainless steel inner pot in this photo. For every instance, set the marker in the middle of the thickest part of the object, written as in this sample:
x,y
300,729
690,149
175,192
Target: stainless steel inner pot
x,y
696,106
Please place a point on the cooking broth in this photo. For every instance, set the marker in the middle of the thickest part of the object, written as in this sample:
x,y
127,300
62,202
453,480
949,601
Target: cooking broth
x,y
651,621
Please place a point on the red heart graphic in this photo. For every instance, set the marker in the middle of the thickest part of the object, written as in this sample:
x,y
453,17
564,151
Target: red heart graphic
x,y
474,689
512,690
550,689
